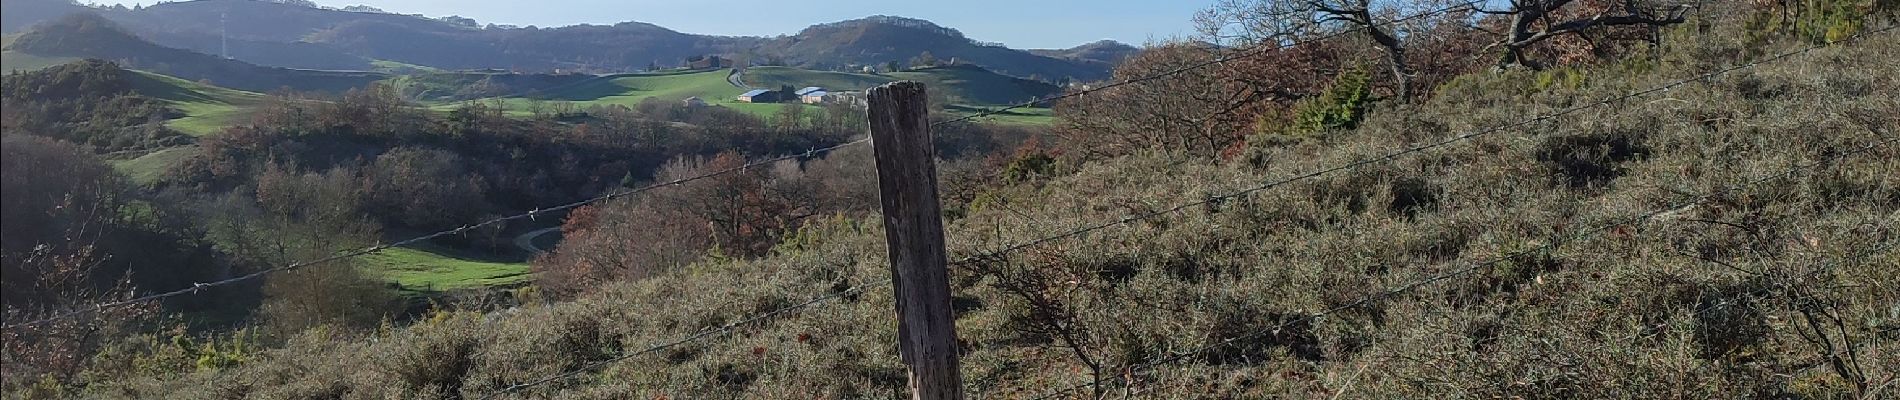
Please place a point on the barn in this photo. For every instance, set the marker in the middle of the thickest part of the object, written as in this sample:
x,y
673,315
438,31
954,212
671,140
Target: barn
x,y
761,96
812,95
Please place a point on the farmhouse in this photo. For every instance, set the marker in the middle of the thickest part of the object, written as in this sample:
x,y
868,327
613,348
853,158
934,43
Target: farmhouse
x,y
783,94
758,96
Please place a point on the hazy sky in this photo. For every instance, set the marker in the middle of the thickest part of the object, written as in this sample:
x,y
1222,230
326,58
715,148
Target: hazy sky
x,y
1017,23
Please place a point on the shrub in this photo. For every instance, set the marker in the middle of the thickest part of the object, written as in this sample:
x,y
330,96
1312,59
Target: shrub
x,y
1340,106
1590,160
437,356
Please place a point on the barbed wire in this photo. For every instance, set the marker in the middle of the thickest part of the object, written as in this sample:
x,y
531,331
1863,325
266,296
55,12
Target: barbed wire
x,y
822,299
1311,175
1882,248
199,287
1256,51
1394,156
1639,218
1474,267
721,330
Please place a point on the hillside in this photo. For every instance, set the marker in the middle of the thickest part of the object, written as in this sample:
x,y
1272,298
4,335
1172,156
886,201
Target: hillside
x,y
450,85
967,87
17,15
1579,232
11,61
1107,52
87,35
288,35
205,109
630,90
876,40
964,84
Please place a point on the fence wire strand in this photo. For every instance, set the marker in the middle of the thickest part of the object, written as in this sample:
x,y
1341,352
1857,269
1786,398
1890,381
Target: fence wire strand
x,y
995,255
1311,175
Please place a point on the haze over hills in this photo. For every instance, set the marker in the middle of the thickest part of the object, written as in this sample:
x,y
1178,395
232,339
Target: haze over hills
x,y
878,39
1105,51
87,35
16,15
287,35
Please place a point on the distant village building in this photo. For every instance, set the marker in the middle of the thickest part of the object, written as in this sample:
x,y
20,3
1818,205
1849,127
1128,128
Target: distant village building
x,y
757,96
849,97
695,102
783,94
812,95
707,62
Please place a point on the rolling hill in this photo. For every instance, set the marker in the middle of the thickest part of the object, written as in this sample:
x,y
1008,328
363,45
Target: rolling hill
x,y
17,15
632,89
87,35
966,84
461,85
288,35
969,88
1107,52
879,39
206,108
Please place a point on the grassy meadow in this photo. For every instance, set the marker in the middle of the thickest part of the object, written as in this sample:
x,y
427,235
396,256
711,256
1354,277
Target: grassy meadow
x,y
1773,184
431,269
207,108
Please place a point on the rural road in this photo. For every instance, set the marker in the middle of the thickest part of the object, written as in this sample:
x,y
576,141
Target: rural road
x,y
737,78
526,240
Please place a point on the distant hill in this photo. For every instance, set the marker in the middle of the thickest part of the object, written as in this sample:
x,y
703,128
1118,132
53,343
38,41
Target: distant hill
x,y
619,47
88,35
880,39
1107,52
16,15
288,35
966,84
451,86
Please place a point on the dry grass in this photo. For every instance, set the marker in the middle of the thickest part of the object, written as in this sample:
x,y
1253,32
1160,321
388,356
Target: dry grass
x,y
1705,302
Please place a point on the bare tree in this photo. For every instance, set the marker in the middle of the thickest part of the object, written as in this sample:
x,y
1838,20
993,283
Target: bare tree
x,y
1534,21
1184,112
1279,22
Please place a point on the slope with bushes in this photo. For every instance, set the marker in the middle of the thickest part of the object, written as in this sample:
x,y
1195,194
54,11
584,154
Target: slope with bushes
x,y
1743,284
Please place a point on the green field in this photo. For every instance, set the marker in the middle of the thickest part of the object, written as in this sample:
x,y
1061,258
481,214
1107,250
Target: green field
x,y
14,61
148,168
631,89
395,67
772,77
11,61
207,108
424,270
962,84
971,89
1021,116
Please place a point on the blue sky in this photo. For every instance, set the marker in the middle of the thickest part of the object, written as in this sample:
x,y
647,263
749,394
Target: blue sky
x,y
1017,23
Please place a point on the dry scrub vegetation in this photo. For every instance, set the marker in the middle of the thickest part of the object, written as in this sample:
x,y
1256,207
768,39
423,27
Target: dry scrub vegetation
x,y
1743,295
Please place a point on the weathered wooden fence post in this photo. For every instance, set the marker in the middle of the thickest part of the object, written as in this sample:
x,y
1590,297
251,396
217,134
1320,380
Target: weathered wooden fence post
x,y
913,230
